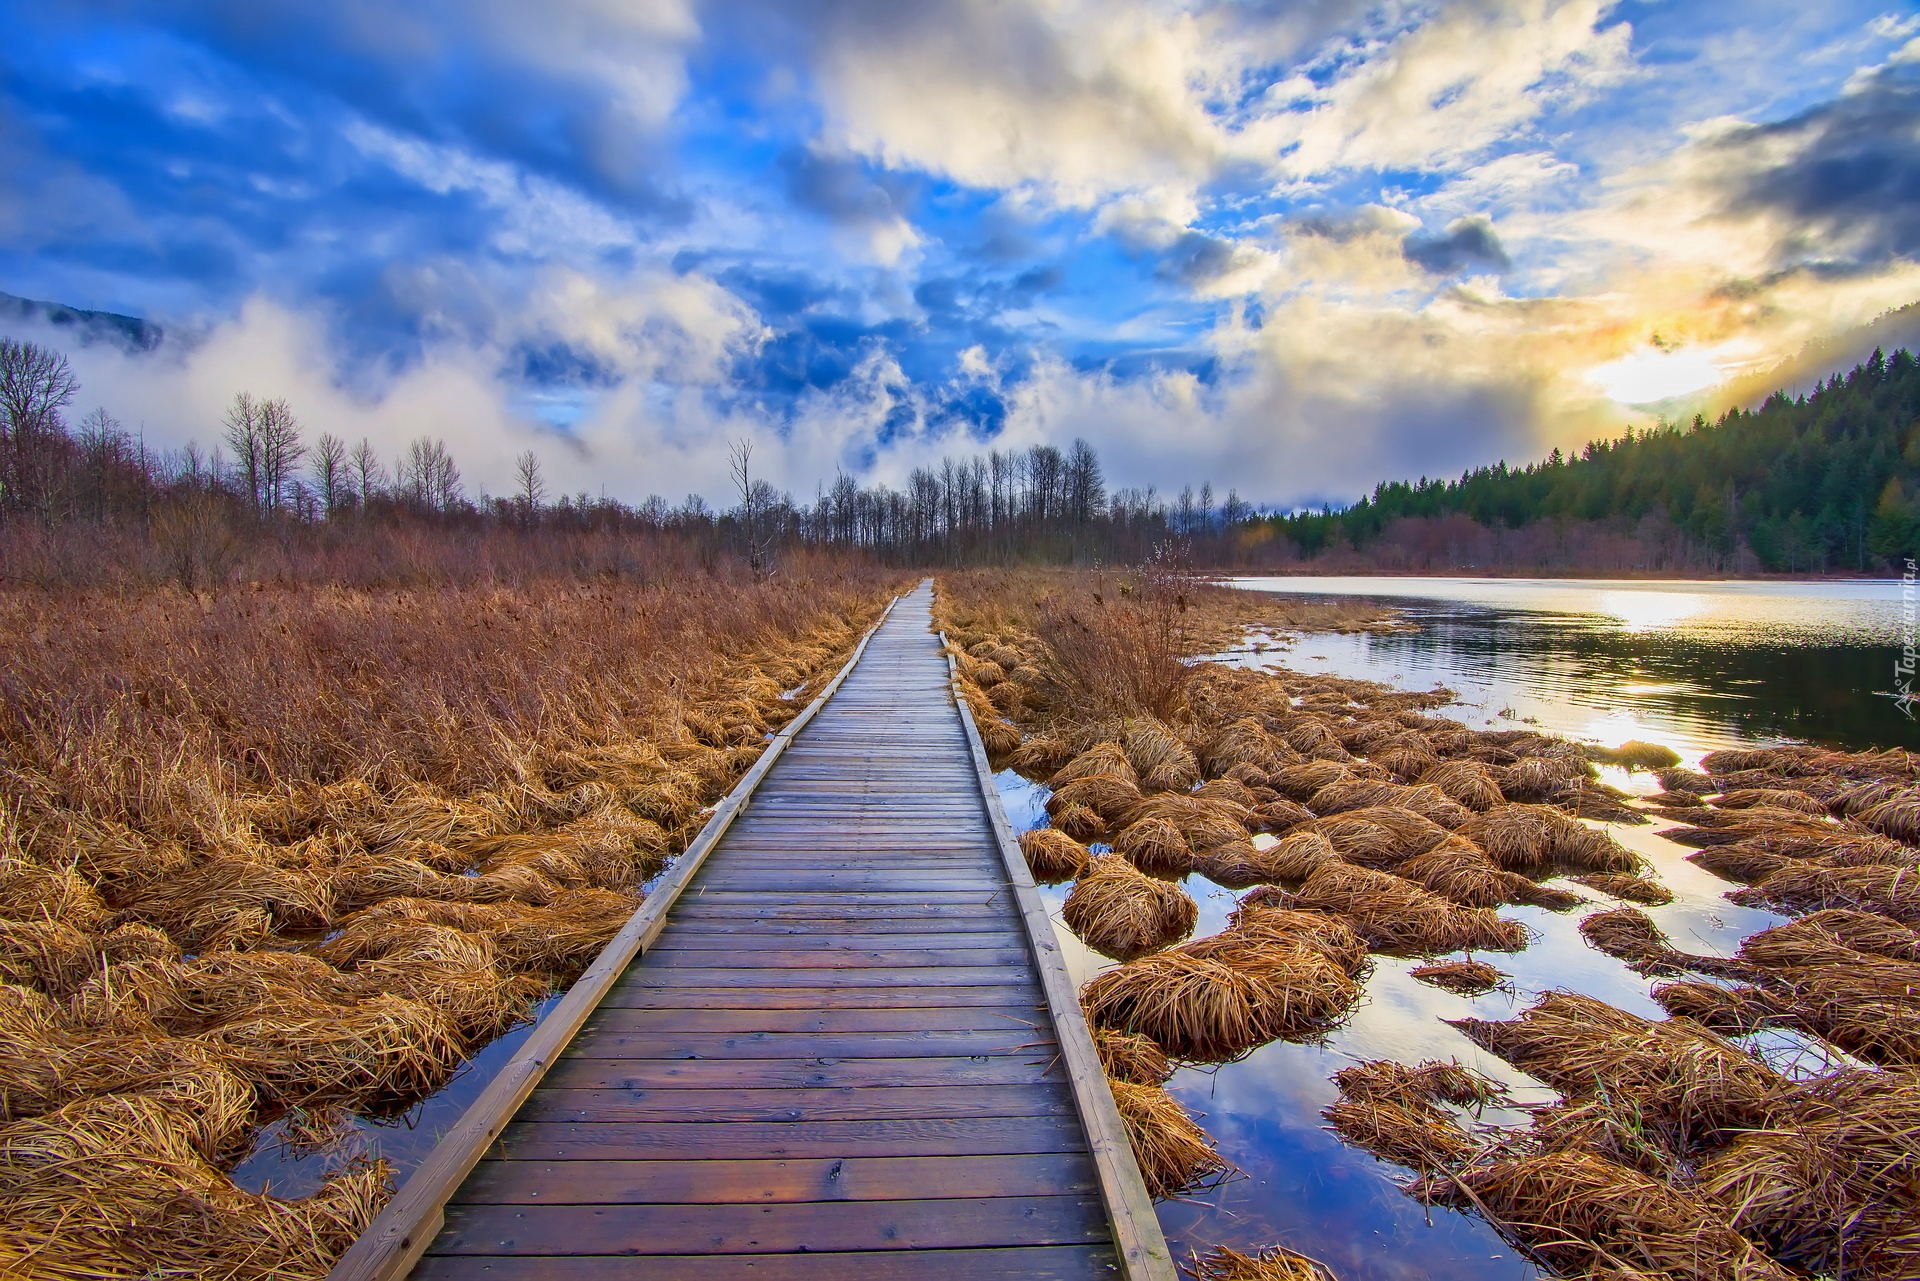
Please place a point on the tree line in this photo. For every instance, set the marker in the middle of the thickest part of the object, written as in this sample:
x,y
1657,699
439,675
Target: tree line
x,y
1041,504
1826,482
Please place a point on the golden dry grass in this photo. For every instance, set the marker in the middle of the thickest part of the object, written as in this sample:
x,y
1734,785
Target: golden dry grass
x,y
309,848
1174,1153
1120,912
1275,1263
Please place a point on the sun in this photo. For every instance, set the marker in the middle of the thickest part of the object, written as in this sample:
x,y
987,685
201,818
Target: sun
x,y
1655,374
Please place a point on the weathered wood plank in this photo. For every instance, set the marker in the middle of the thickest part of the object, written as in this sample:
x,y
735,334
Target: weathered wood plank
x,y
1030,1263
728,1046
937,1018
784,1074
843,1103
820,998
912,1178
754,1229
755,1140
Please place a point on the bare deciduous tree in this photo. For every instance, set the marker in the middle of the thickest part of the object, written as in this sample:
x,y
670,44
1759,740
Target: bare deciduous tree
x,y
243,433
36,383
529,486
280,453
428,475
330,473
369,475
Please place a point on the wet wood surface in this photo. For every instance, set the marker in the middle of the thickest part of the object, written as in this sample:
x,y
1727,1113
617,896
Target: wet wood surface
x,y
838,1059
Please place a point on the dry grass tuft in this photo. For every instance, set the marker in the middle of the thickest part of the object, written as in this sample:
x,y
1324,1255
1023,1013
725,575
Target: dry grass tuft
x,y
1636,889
1380,836
1120,912
1275,1263
1689,1085
1109,795
1635,754
1174,1153
1155,846
1215,999
1394,915
1128,1056
1466,978
1101,758
1470,783
1162,761
1582,1214
1054,857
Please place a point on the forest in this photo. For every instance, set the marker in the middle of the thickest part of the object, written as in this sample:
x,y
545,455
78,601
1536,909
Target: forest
x,y
1823,483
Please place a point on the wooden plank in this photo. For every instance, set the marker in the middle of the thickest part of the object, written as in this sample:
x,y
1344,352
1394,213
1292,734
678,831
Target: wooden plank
x,y
843,1103
400,1234
939,1018
893,958
1028,1263
679,939
519,1230
821,998
757,1140
730,1046
910,1178
816,975
801,1074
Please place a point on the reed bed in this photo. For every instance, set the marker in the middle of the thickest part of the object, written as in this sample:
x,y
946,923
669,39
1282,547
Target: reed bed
x,y
288,851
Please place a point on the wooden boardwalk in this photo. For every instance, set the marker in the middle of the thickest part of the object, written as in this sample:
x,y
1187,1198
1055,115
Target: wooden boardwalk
x,y
848,1051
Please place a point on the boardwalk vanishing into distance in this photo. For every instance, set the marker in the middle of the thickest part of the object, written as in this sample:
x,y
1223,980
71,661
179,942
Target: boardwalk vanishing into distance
x,y
837,1043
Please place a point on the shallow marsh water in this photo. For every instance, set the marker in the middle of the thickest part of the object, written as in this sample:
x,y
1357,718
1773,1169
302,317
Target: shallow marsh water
x,y
1695,666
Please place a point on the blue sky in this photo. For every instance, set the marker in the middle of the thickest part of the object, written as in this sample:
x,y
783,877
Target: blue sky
x,y
1290,247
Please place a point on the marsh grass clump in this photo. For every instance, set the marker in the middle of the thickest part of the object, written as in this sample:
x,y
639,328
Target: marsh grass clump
x,y
1275,1263
1174,1153
1398,916
1128,1056
1634,754
1637,889
1155,846
1123,913
1380,836
1469,782
1394,1112
1216,998
1462,977
1582,1214
1690,1085
1053,857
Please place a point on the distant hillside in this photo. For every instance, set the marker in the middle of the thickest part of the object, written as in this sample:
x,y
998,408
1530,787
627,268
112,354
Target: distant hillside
x,y
85,326
1821,483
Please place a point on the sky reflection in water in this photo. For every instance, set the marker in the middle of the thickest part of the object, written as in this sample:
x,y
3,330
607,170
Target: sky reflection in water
x,y
1695,666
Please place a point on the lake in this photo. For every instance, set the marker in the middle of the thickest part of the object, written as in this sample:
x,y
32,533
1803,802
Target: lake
x,y
1696,666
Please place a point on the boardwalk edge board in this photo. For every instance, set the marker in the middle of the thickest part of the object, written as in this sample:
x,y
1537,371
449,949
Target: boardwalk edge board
x,y
1136,1226
394,1242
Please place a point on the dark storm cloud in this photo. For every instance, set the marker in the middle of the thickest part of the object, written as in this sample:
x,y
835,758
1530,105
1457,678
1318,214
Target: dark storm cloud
x,y
1850,183
1468,244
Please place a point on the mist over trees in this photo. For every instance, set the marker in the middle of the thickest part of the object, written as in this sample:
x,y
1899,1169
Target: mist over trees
x,y
1827,482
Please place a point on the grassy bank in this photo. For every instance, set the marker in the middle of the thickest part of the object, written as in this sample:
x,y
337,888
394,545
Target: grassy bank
x,y
294,851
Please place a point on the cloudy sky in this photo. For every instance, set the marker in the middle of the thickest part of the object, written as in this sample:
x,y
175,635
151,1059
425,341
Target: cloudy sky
x,y
1294,246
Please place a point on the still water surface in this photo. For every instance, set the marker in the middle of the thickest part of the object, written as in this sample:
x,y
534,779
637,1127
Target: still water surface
x,y
1696,666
